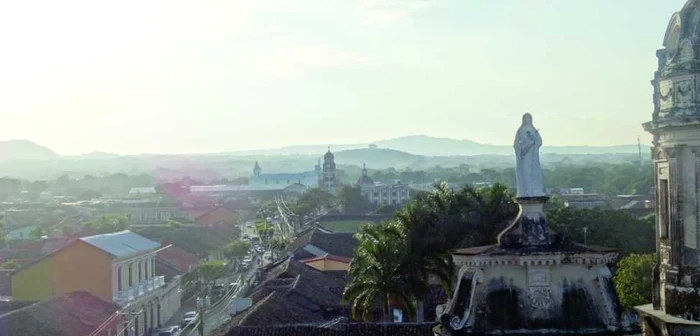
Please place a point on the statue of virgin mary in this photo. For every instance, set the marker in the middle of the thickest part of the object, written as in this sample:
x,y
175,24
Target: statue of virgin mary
x,y
528,172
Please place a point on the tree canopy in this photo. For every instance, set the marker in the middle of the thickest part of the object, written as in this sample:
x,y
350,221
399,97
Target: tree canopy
x,y
108,223
610,228
211,270
633,279
236,249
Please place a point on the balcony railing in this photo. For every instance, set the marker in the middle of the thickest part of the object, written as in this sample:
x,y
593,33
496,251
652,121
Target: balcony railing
x,y
139,290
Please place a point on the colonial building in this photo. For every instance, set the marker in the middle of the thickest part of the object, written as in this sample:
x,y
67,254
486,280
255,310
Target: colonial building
x,y
308,179
118,267
383,194
532,281
675,125
328,180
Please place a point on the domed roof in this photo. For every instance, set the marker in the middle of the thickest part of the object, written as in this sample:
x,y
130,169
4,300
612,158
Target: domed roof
x,y
365,180
329,156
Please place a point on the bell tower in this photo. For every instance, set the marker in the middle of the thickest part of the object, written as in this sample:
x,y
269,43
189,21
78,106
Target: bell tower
x,y
329,177
675,126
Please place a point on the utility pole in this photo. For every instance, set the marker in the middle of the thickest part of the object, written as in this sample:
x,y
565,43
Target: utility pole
x,y
202,304
585,233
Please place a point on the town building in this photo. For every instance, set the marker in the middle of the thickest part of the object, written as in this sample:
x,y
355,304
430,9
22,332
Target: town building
x,y
317,242
383,194
118,267
675,126
308,179
578,201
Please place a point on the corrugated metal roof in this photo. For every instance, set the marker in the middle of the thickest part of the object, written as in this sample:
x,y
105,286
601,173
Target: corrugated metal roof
x,y
120,244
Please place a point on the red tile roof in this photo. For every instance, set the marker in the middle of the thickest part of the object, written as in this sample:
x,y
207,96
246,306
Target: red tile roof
x,y
77,313
178,258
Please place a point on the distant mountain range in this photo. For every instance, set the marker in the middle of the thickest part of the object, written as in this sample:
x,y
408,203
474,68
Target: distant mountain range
x,y
24,150
432,146
407,148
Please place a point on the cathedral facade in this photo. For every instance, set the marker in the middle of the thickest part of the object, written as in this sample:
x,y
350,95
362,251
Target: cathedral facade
x,y
675,126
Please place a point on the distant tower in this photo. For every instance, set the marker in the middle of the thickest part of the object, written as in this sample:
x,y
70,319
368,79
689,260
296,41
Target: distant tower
x,y
639,147
365,180
675,126
329,176
256,169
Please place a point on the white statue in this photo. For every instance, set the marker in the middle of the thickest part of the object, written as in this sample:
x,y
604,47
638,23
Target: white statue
x,y
528,172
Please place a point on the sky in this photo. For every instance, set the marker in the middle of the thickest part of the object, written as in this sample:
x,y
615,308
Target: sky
x,y
174,76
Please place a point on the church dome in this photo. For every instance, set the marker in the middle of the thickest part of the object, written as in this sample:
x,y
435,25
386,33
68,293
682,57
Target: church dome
x,y
365,180
329,156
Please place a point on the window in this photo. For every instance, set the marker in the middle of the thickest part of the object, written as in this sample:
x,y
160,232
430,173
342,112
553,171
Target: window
x,y
140,264
153,268
119,278
146,268
664,215
131,279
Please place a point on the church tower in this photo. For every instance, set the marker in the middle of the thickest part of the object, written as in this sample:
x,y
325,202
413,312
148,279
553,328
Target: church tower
x,y
675,127
256,169
329,176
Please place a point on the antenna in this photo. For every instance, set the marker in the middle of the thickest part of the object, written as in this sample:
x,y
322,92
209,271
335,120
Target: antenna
x,y
639,147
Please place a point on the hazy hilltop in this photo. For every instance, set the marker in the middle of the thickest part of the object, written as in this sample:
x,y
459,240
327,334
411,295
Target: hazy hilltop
x,y
426,145
25,159
24,150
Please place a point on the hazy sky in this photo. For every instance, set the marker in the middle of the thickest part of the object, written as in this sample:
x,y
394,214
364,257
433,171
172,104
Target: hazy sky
x,y
205,76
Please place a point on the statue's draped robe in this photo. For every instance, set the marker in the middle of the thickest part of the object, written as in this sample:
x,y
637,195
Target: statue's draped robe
x,y
528,172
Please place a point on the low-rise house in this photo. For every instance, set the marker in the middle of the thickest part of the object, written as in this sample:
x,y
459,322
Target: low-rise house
x,y
174,261
328,263
143,192
20,233
118,267
291,292
77,313
585,201
317,242
217,216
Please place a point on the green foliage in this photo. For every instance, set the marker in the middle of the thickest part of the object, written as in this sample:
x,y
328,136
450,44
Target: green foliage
x,y
351,200
10,264
211,270
470,216
108,223
610,228
265,230
633,279
277,244
374,272
36,233
236,249
312,201
605,178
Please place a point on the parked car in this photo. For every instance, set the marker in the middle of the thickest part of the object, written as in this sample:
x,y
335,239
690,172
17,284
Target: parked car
x,y
168,331
189,319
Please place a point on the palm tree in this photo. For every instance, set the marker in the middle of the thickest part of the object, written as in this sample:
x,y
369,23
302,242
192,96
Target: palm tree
x,y
489,210
375,271
426,258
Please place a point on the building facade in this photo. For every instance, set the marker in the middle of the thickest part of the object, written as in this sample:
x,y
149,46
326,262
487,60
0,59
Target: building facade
x,y
117,267
309,179
383,194
328,179
675,127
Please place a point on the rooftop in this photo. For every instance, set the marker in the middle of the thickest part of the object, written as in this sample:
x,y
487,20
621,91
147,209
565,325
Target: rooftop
x,y
121,244
77,313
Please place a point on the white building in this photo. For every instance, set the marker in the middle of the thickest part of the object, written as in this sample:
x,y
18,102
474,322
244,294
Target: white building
x,y
383,194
